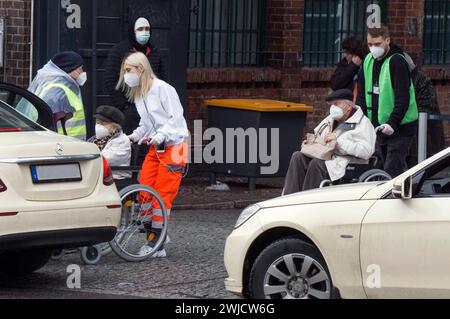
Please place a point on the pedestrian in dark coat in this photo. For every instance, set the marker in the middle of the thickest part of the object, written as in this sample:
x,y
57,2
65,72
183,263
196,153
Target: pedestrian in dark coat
x,y
345,75
427,102
139,40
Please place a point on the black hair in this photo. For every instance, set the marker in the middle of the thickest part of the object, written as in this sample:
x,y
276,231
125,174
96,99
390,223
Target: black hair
x,y
354,45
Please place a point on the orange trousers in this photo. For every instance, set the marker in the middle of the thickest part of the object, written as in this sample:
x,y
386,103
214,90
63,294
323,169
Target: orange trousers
x,y
163,172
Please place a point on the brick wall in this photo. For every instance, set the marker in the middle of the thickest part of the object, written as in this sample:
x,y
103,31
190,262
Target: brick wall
x,y
18,13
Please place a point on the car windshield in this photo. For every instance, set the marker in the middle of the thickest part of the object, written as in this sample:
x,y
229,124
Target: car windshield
x,y
13,121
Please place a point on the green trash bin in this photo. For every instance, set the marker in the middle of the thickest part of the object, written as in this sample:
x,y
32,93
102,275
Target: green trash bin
x,y
288,118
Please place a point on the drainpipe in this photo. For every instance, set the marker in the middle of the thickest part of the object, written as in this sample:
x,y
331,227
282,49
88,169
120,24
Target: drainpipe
x,y
31,41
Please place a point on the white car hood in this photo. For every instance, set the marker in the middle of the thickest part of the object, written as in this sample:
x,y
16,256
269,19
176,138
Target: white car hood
x,y
323,195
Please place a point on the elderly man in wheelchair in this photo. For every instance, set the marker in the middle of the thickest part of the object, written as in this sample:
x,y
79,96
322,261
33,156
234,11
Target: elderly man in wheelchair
x,y
343,140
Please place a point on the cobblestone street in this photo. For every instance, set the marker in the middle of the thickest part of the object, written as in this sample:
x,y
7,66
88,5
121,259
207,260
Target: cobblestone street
x,y
193,269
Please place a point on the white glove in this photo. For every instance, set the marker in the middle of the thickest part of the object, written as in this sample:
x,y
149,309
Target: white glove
x,y
132,138
386,129
157,139
144,140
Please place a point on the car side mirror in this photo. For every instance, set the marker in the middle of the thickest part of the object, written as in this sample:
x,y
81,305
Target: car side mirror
x,y
403,188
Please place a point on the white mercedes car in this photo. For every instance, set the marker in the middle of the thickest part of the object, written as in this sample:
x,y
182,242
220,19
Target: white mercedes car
x,y
376,240
55,192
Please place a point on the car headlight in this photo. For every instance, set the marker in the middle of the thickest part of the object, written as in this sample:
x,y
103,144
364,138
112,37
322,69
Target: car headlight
x,y
246,214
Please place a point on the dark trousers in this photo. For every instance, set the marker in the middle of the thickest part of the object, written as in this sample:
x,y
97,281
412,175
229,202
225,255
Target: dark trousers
x,y
304,174
394,152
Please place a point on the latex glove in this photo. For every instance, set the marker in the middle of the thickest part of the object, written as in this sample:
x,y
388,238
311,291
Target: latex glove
x,y
157,139
386,129
132,139
144,140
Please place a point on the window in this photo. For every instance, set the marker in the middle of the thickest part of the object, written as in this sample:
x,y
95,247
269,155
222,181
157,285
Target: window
x,y
12,121
226,33
437,32
328,22
436,180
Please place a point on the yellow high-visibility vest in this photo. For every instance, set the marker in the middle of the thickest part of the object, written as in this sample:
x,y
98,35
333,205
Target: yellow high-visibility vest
x,y
76,126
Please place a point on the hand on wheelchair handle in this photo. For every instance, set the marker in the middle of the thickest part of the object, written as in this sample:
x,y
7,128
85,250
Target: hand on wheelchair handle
x,y
155,140
386,129
131,138
144,140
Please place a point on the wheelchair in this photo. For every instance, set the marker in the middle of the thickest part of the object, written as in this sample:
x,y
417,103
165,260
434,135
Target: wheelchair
x,y
361,173
131,232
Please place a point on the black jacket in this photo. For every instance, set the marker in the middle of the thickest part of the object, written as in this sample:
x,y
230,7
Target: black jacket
x,y
401,83
114,62
344,76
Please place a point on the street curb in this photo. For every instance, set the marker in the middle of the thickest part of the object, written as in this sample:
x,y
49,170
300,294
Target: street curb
x,y
240,204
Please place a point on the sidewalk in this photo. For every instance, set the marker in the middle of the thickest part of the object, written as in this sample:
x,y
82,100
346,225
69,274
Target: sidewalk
x,y
193,194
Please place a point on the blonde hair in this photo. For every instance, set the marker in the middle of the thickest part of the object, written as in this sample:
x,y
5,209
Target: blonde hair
x,y
138,60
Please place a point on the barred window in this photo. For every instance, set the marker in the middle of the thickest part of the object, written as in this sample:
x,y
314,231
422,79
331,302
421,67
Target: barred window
x,y
436,46
226,33
328,22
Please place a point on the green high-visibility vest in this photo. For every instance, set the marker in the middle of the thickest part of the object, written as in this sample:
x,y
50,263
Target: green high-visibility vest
x,y
386,100
76,126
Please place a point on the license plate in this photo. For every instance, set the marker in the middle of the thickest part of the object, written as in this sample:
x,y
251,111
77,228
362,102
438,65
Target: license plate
x,y
58,173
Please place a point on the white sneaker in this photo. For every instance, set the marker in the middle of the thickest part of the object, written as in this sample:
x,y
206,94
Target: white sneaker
x,y
146,250
160,254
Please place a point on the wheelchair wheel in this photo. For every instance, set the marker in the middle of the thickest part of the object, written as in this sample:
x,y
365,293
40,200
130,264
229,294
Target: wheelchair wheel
x,y
90,255
131,234
104,248
374,175
58,254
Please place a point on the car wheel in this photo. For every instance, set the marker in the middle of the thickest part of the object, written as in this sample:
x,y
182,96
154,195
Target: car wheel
x,y
24,262
290,269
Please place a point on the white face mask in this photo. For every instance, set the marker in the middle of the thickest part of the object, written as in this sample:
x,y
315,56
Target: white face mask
x,y
82,78
142,37
336,113
101,131
132,79
377,52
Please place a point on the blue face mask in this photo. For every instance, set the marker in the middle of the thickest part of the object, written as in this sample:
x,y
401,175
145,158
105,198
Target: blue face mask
x,y
142,37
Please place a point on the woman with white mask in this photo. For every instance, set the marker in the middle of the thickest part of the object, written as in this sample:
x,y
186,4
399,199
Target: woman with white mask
x,y
164,128
112,142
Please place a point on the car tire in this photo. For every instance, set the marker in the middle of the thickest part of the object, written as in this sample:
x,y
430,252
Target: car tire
x,y
24,262
272,278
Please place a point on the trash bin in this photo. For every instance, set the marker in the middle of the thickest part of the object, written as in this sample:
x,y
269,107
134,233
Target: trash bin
x,y
255,115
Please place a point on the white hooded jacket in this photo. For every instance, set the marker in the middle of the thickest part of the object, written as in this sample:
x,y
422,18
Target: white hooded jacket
x,y
161,112
356,140
55,98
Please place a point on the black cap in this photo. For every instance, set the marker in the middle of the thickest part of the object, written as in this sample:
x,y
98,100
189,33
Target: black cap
x,y
68,61
344,94
110,114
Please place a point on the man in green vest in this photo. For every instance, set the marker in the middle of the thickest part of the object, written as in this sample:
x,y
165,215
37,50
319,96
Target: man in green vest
x,y
386,94
58,83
